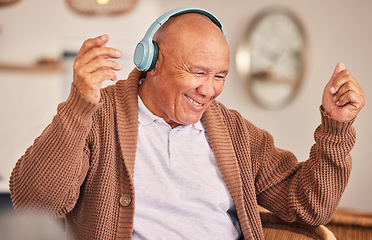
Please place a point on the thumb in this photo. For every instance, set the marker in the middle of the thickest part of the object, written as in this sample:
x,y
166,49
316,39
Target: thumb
x,y
340,66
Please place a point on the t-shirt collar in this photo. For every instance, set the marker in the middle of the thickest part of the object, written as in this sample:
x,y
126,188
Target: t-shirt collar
x,y
145,116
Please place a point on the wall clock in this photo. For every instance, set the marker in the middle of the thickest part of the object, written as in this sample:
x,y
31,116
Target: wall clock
x,y
271,57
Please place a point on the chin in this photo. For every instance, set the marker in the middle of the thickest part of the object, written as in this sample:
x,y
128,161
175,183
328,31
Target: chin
x,y
189,118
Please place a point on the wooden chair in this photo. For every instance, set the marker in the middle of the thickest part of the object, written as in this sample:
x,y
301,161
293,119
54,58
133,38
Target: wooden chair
x,y
351,225
276,229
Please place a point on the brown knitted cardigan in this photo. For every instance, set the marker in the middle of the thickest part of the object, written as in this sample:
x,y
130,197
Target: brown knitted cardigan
x,y
84,161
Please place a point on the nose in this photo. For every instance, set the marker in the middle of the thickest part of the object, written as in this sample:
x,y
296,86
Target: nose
x,y
207,88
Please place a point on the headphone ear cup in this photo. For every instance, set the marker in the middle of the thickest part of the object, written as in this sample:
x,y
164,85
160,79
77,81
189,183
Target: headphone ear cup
x,y
139,57
155,56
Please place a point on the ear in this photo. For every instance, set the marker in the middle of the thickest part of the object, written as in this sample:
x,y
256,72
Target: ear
x,y
153,71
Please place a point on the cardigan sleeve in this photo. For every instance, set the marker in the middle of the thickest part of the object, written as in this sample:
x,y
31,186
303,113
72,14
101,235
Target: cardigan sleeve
x,y
49,175
308,191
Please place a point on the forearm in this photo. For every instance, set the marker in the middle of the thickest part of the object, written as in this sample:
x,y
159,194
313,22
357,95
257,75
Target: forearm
x,y
50,173
310,191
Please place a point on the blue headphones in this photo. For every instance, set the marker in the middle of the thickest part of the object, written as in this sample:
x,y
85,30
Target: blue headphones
x,y
146,52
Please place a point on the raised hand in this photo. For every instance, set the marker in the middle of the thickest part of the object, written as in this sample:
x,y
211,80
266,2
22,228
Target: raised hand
x,y
343,97
92,67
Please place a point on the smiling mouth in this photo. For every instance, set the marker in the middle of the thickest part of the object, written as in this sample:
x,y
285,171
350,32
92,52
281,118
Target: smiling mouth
x,y
193,101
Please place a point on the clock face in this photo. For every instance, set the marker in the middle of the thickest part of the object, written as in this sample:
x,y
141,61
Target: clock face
x,y
271,58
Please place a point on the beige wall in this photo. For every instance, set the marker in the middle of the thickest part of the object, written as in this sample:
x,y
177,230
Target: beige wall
x,y
336,30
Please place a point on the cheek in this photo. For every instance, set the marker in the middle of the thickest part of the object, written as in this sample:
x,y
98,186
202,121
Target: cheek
x,y
218,88
183,83
169,96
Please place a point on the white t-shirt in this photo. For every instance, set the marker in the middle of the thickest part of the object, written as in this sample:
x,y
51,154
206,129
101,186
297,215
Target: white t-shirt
x,y
179,190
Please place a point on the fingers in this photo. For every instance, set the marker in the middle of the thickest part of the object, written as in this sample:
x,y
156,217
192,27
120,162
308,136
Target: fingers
x,y
97,71
104,74
355,100
92,43
96,52
94,49
93,81
101,63
343,97
93,56
94,60
347,90
92,66
339,67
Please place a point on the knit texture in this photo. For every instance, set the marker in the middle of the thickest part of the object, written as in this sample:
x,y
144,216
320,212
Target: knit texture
x,y
83,162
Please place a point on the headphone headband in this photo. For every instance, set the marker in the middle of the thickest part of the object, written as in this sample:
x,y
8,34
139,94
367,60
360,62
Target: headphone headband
x,y
146,52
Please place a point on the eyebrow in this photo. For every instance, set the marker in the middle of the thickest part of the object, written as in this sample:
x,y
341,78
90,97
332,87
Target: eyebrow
x,y
204,69
224,72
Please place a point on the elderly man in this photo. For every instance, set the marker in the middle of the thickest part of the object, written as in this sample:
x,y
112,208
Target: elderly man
x,y
156,156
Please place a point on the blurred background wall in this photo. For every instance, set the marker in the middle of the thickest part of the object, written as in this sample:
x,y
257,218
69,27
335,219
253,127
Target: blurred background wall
x,y
336,30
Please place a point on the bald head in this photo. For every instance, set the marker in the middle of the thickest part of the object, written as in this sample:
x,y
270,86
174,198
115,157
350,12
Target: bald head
x,y
187,21
185,31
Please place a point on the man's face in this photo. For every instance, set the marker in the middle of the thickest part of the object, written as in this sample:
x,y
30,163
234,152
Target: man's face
x,y
188,76
188,87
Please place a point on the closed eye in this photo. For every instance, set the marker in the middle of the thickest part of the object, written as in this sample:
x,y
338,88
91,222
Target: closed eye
x,y
200,74
220,77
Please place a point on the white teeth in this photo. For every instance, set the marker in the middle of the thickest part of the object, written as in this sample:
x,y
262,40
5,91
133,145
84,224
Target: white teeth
x,y
193,101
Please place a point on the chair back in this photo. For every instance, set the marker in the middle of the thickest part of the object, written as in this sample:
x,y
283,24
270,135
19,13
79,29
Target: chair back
x,y
274,228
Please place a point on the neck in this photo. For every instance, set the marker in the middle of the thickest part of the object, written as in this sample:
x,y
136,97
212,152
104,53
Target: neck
x,y
145,95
